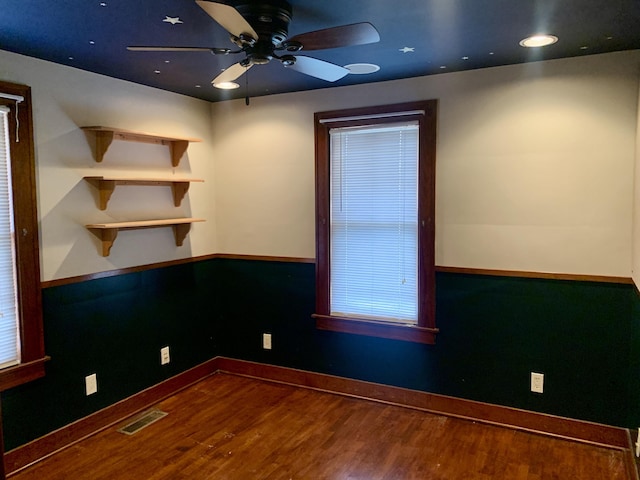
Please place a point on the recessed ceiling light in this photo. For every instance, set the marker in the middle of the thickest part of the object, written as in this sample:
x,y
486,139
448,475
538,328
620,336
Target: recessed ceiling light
x,y
465,58
156,72
362,68
226,85
538,41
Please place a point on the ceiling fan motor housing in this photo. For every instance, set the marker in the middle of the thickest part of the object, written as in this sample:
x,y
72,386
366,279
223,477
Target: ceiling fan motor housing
x,y
269,20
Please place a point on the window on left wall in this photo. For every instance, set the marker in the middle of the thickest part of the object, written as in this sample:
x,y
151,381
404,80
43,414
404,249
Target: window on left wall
x,y
21,332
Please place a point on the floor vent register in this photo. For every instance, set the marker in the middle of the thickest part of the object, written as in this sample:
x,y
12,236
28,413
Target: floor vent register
x,y
143,421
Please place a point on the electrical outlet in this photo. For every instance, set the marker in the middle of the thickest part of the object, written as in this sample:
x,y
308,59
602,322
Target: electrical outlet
x,y
91,384
537,382
266,341
164,356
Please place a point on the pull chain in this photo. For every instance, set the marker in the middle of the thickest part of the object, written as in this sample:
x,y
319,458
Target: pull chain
x,y
246,83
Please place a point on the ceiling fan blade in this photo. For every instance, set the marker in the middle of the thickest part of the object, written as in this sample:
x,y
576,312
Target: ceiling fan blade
x,y
318,68
230,74
229,18
215,51
344,36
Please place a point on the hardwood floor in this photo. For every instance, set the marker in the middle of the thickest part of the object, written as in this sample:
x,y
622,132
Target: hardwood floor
x,y
231,427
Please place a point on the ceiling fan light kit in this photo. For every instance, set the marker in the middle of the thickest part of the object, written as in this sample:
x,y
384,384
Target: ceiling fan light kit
x,y
261,31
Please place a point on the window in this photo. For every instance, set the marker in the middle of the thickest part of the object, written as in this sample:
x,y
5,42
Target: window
x,y
9,332
375,208
21,338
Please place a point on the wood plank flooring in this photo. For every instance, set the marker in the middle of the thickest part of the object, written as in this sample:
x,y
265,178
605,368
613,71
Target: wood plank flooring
x,y
231,427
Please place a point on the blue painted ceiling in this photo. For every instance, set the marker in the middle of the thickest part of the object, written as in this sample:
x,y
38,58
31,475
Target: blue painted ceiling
x,y
417,37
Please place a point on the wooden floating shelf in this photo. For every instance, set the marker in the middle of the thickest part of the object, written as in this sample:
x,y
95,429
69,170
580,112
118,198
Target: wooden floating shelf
x,y
105,135
107,232
106,186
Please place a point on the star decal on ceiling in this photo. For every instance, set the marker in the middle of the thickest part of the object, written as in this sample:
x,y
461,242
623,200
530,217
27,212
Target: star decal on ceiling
x,y
172,20
407,49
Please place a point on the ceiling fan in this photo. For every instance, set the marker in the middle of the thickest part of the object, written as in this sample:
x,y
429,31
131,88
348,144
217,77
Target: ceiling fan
x,y
260,30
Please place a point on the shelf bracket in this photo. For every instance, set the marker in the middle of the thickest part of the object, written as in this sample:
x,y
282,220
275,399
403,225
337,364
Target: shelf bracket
x,y
179,191
102,143
177,147
180,231
105,190
106,236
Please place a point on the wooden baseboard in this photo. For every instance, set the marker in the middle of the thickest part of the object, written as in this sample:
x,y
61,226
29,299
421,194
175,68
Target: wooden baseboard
x,y
578,430
50,443
570,429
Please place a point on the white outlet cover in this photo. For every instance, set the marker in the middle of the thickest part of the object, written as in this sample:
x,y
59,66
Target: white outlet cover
x,y
91,384
537,382
266,341
164,356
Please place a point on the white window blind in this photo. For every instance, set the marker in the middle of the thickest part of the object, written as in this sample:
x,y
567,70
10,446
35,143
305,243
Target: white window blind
x,y
374,222
9,341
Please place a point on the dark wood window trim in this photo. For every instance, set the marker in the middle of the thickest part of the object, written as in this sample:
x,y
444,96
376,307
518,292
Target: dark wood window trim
x,y
425,112
27,243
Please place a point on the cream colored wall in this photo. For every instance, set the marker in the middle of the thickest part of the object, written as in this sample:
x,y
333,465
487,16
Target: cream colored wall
x,y
65,99
636,202
534,166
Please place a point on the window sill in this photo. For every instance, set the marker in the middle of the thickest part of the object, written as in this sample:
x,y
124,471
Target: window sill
x,y
13,376
407,333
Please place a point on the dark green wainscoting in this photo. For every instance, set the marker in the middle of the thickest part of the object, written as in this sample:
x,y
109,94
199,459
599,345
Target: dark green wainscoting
x,y
114,327
584,336
495,331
